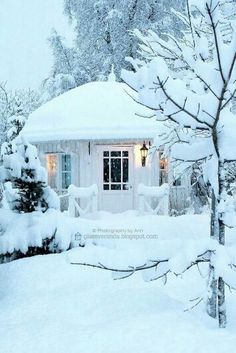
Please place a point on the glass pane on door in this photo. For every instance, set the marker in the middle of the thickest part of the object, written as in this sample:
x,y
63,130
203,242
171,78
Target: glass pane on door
x,y
125,170
106,168
116,170
115,186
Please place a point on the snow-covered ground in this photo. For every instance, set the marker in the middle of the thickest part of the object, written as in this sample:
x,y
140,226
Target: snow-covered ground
x,y
19,231
48,305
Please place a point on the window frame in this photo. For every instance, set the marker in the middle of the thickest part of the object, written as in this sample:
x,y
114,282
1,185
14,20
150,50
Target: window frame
x,y
48,155
123,156
59,170
64,172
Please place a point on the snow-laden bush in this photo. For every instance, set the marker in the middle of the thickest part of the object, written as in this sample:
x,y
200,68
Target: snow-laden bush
x,y
25,192
26,188
28,234
24,178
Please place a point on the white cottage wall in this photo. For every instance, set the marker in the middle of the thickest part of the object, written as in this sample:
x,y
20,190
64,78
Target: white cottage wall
x,y
85,163
58,148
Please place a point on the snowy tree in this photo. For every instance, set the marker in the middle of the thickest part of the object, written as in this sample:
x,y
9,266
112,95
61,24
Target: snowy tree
x,y
23,101
64,74
190,84
4,112
20,103
25,180
102,38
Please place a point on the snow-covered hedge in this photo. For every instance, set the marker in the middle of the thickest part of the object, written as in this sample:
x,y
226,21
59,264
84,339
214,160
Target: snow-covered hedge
x,y
51,231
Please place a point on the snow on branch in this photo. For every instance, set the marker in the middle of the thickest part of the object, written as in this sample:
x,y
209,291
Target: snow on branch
x,y
191,79
179,263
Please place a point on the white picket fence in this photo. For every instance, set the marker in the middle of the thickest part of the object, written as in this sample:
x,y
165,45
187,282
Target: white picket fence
x,y
153,199
82,195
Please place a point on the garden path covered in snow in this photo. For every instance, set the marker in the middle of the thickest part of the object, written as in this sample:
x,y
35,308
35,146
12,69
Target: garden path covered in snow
x,y
49,305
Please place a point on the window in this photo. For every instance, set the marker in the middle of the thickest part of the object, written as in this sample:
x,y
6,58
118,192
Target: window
x,y
163,169
59,170
115,170
52,168
65,170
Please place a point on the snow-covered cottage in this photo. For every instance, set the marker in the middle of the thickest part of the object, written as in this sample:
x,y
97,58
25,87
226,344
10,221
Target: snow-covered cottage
x,y
97,134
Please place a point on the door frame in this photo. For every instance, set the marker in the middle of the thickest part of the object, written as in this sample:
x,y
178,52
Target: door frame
x,y
99,169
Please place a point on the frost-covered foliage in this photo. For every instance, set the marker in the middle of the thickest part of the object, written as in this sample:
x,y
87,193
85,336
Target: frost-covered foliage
x,y
64,74
200,190
24,179
23,101
18,103
24,186
16,124
103,38
190,83
3,112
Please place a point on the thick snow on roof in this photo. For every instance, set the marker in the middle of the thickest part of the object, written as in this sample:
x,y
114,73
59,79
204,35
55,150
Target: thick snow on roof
x,y
97,110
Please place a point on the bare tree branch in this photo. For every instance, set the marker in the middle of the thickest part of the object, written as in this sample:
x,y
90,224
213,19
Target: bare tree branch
x,y
181,108
213,26
202,258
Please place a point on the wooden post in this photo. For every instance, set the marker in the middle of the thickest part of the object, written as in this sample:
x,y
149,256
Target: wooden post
x,y
166,205
141,206
71,208
94,202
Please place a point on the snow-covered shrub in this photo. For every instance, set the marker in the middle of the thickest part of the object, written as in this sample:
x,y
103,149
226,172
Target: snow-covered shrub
x,y
37,233
24,178
25,191
26,188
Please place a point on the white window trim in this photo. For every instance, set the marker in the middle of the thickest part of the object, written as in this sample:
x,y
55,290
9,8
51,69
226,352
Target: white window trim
x,y
58,178
64,171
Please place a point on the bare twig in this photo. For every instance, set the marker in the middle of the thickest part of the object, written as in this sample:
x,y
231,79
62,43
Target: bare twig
x,y
213,26
194,306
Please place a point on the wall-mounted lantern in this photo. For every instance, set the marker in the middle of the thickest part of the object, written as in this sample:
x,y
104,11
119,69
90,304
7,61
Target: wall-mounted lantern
x,y
144,153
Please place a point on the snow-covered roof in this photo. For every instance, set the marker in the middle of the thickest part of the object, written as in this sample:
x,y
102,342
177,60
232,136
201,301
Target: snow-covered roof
x,y
96,110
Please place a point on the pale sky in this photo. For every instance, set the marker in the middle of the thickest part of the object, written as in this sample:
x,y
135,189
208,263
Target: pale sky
x,y
25,25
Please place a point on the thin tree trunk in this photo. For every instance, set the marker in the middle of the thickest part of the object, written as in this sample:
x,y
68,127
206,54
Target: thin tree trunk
x,y
212,293
221,285
212,281
221,303
216,286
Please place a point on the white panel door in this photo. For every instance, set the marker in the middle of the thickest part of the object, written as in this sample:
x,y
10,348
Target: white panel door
x,y
115,179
